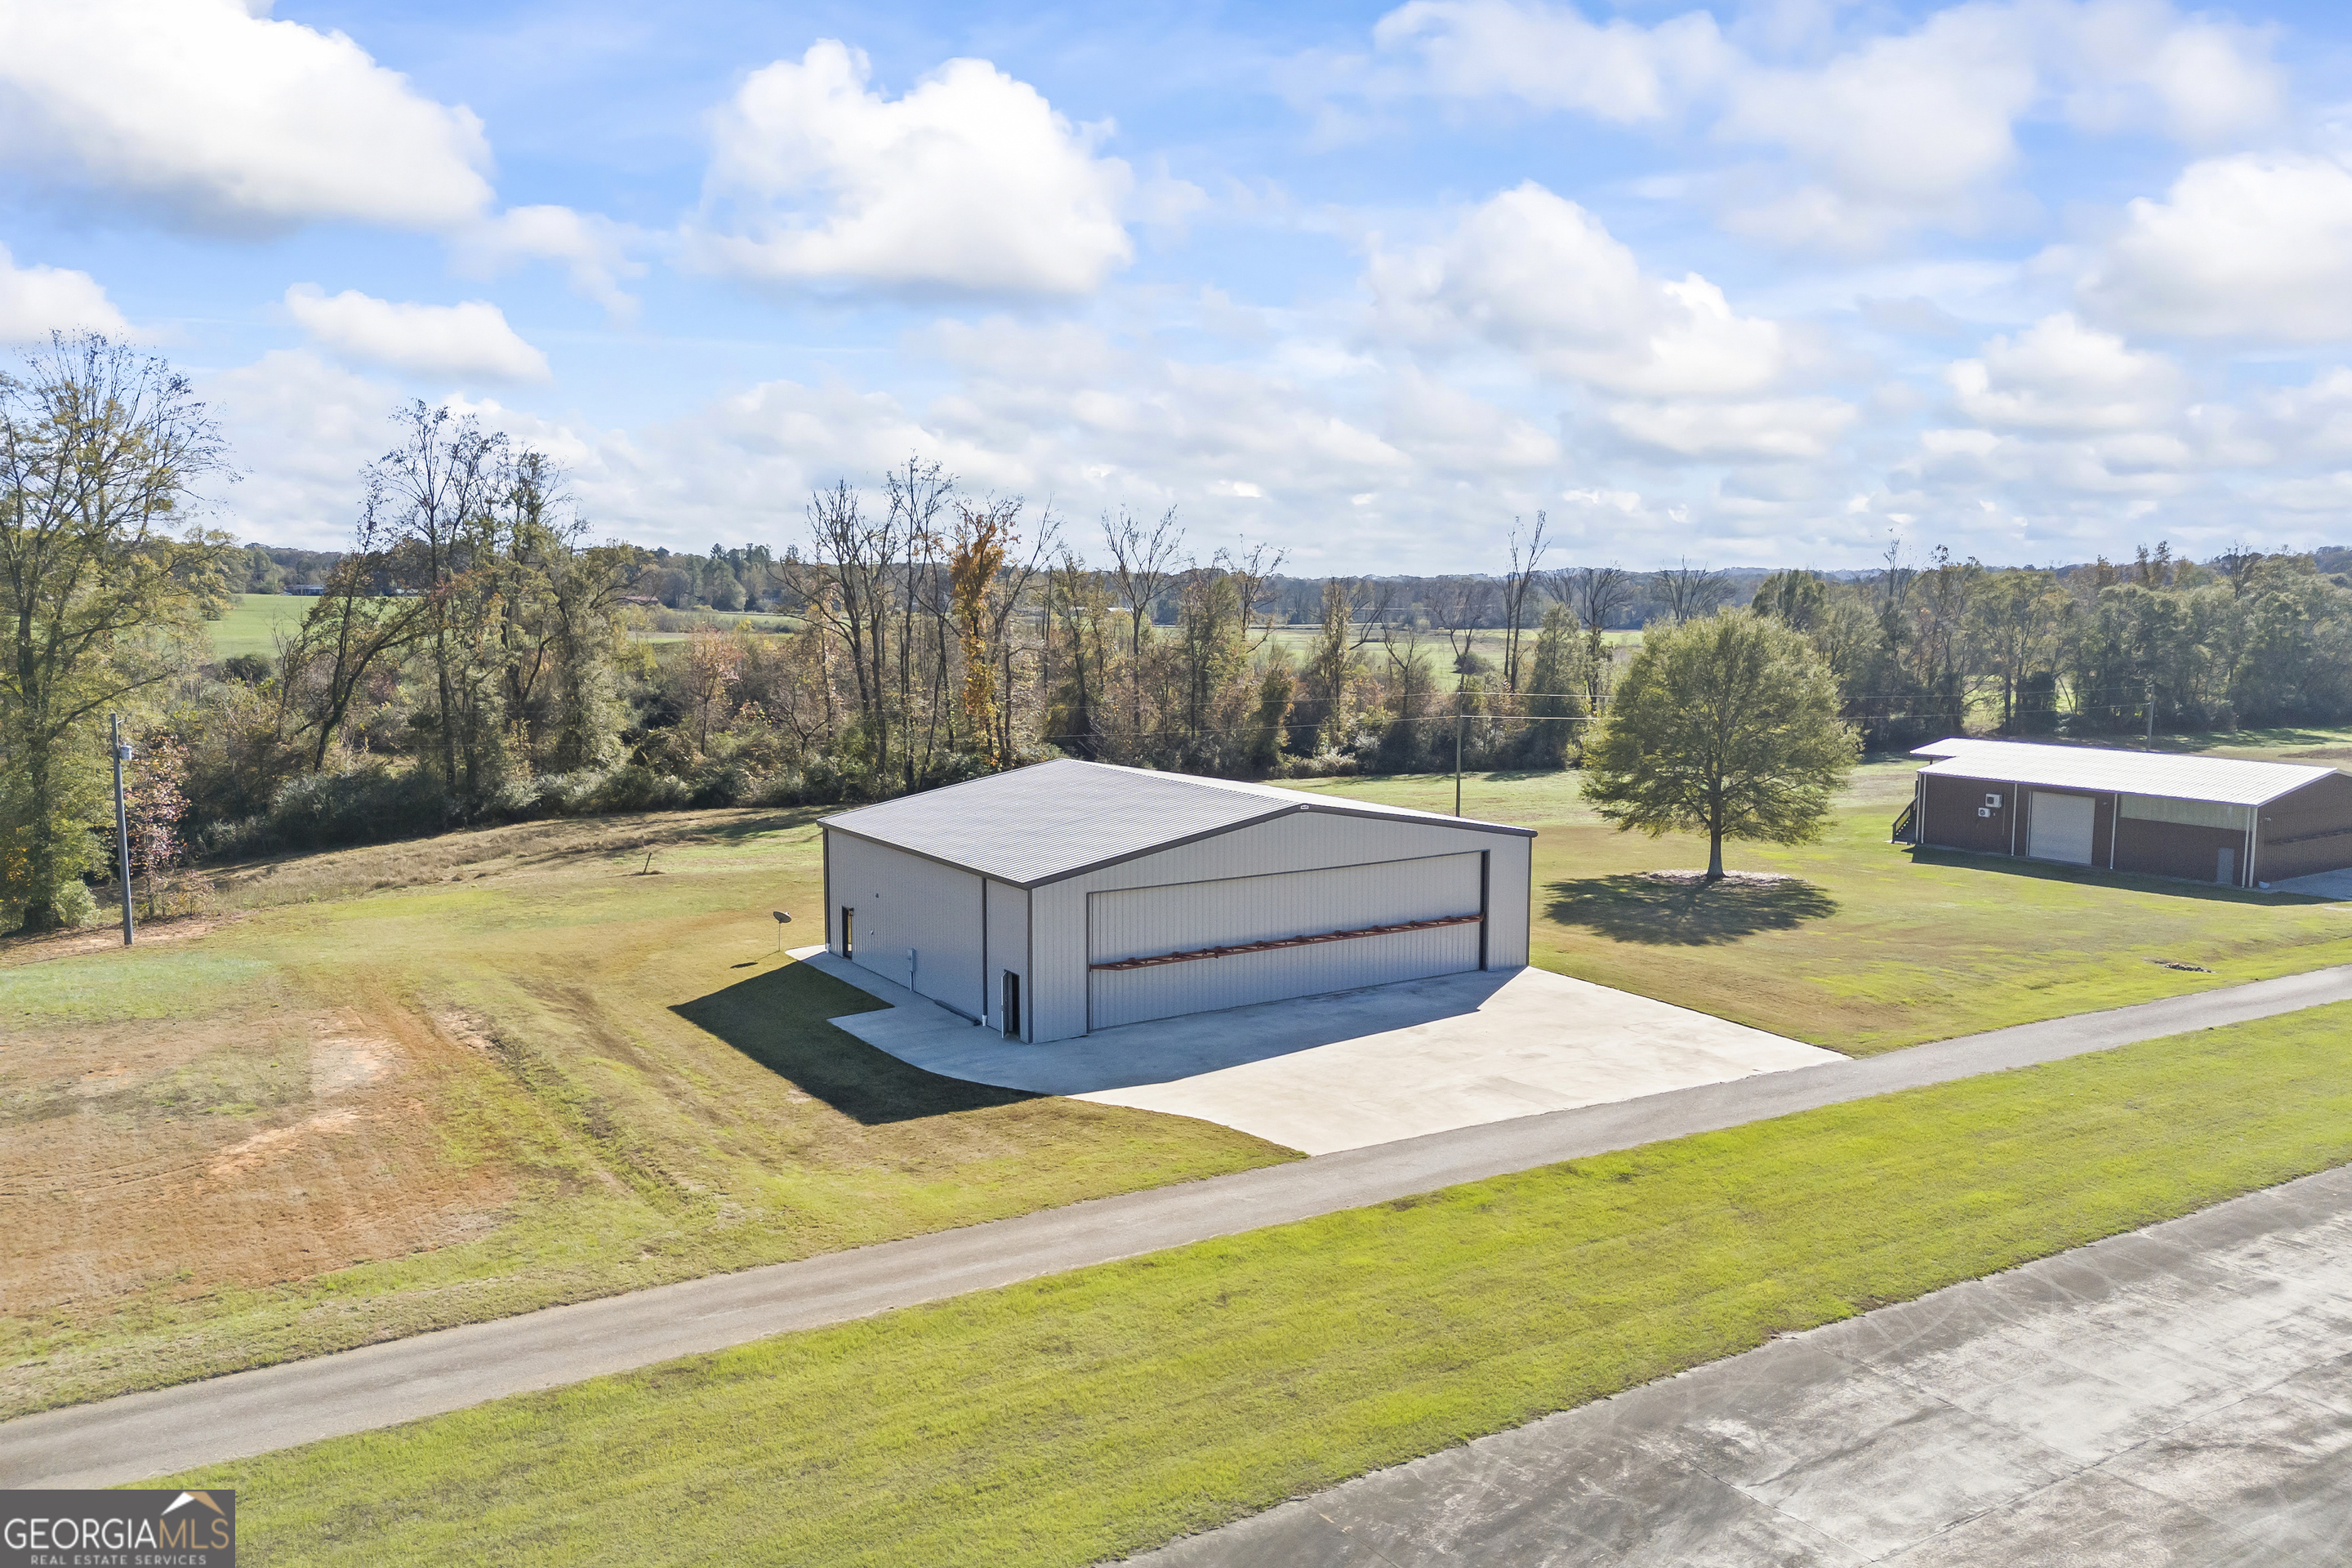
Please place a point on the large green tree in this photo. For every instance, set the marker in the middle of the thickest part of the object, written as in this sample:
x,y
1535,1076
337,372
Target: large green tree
x,y
1726,726
100,449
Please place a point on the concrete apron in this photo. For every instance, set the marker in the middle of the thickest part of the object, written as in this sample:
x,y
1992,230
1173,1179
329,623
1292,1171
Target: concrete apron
x,y
1352,1069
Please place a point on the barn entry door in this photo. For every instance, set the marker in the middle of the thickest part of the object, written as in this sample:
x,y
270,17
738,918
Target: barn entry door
x,y
2061,827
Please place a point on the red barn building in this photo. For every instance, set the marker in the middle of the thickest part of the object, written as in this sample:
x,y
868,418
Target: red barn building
x,y
2210,819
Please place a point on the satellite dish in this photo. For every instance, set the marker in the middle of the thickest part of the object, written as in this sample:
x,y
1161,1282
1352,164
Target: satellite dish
x,y
781,919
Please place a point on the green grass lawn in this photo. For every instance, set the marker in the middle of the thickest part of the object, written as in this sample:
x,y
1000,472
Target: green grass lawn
x,y
435,1082
1094,1414
1869,945
256,622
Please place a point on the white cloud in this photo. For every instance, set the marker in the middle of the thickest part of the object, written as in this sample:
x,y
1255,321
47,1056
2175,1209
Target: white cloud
x,y
223,117
970,182
470,339
2256,246
2131,64
2061,376
1918,119
1450,431
1892,131
592,248
1553,58
37,300
1769,428
301,429
1539,276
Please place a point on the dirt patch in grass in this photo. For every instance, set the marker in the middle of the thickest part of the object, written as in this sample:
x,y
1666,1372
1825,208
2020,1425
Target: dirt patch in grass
x,y
109,938
189,1160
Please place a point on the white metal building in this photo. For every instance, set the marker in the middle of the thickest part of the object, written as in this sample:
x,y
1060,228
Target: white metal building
x,y
1068,897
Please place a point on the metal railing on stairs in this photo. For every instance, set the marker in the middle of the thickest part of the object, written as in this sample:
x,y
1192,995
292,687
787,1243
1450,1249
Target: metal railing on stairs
x,y
1907,826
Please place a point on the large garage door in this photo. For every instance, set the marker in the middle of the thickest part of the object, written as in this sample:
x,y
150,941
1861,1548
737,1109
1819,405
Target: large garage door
x,y
1154,952
2061,827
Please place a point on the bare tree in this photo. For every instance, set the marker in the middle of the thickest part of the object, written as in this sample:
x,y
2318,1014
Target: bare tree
x,y
847,589
1599,594
436,494
1143,559
1456,605
1690,591
1519,587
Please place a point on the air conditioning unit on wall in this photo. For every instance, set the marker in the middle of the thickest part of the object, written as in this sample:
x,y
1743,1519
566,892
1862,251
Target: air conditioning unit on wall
x,y
1984,811
1992,803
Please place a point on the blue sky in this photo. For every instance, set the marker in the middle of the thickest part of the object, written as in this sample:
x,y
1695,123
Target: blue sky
x,y
1761,285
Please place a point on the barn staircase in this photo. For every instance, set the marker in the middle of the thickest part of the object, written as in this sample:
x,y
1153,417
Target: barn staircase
x,y
1907,826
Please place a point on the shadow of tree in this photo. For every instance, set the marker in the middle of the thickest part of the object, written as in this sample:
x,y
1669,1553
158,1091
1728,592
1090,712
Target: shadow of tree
x,y
779,1020
1637,906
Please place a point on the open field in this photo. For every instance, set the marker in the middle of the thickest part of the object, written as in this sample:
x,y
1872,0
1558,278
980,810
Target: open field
x,y
405,1087
1084,1416
1486,643
427,1083
675,626
256,621
1867,945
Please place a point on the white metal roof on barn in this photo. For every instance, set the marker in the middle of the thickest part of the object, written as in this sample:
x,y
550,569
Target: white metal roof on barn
x,y
2231,780
1055,819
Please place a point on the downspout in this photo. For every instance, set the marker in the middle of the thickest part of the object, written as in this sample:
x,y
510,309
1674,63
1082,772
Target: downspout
x,y
2115,827
2253,839
2014,798
983,953
1029,967
828,889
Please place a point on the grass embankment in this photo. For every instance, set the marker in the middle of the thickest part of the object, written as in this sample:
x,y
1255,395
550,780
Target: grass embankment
x,y
1865,945
429,1083
1097,1412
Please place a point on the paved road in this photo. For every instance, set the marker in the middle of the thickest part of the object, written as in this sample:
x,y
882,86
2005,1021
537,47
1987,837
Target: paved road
x,y
2181,1396
143,1435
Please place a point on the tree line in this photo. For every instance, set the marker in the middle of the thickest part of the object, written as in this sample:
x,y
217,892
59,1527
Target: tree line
x,y
476,654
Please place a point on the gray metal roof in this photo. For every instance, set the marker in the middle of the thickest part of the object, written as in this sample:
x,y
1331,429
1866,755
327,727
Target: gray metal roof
x,y
2230,781
1055,819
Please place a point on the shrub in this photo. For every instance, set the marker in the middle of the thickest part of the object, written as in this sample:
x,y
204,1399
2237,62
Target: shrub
x,y
365,805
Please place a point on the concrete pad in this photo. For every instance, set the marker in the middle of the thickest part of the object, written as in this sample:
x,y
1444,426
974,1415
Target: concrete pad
x,y
2320,884
1354,1067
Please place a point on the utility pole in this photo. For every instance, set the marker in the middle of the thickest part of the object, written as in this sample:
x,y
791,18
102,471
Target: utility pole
x,y
122,823
1459,717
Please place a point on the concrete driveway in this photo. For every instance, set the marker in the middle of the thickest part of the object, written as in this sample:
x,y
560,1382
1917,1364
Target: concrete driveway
x,y
1354,1067
2179,1396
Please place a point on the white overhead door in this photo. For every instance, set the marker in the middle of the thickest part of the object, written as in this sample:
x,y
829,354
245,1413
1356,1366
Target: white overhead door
x,y
1154,952
2061,827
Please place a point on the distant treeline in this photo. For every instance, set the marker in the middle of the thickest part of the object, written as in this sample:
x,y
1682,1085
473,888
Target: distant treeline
x,y
476,656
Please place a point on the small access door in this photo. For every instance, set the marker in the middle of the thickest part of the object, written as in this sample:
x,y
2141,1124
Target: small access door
x,y
2226,871
848,926
1009,1015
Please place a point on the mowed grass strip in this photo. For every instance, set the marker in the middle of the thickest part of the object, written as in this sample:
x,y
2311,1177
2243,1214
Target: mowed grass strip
x,y
1097,1412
